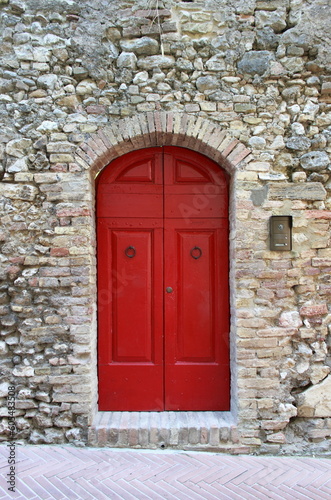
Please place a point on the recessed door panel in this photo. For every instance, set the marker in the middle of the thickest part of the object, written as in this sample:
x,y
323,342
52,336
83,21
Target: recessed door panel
x,y
196,295
163,304
132,284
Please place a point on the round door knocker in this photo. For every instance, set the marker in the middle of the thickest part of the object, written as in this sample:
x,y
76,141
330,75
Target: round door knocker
x,y
130,252
196,252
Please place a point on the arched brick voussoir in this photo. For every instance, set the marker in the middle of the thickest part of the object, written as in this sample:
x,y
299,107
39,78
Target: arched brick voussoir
x,y
162,129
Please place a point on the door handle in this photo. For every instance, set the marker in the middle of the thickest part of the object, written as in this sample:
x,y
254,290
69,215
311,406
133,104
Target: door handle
x,y
196,252
130,252
169,289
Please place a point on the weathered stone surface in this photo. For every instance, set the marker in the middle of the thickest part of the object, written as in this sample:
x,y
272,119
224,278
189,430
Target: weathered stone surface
x,y
152,62
127,60
141,78
258,196
20,165
86,87
25,371
197,28
278,437
255,62
18,191
47,81
216,63
80,73
275,19
141,46
298,143
207,83
18,147
290,319
4,389
184,64
316,161
69,101
319,373
266,39
316,401
299,191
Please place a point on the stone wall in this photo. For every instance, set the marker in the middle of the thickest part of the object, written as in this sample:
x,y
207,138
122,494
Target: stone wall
x,y
248,84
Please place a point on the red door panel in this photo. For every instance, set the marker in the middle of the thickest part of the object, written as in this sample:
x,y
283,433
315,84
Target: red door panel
x,y
130,312
130,276
131,205
162,217
141,168
196,316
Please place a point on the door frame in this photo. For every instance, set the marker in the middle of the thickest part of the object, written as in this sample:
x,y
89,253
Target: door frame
x,y
229,249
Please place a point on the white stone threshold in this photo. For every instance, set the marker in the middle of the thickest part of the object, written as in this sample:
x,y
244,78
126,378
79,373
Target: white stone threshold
x,y
181,430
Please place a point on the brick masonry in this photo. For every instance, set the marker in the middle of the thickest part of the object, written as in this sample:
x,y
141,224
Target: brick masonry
x,y
248,86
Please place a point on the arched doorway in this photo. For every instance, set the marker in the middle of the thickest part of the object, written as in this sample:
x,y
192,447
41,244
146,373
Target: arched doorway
x,y
163,300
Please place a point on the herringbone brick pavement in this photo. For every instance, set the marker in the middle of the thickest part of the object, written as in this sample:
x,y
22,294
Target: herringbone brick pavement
x,y
64,472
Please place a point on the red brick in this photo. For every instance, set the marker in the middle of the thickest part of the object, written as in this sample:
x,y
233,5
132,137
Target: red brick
x,y
13,271
321,262
59,167
318,214
55,271
96,145
316,310
90,153
238,154
17,260
230,147
73,212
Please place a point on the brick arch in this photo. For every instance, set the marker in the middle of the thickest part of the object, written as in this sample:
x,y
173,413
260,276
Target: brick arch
x,y
161,129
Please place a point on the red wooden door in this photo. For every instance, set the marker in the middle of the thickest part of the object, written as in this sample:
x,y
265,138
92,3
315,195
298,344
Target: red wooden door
x,y
163,305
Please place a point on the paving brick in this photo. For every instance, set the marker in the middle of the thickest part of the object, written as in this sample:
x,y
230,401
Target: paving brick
x,y
65,472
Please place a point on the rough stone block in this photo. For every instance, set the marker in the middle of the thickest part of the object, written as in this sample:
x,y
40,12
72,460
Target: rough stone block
x,y
197,28
127,60
298,143
18,191
141,46
151,62
18,147
315,161
299,191
207,83
61,158
316,401
255,62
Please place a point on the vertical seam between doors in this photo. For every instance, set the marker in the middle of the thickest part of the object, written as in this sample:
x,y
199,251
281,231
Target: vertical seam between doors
x,y
163,284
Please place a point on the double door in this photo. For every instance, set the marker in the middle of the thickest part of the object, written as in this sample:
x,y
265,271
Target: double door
x,y
163,304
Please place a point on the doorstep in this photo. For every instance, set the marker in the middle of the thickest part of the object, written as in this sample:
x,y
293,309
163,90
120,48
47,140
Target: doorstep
x,y
168,429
